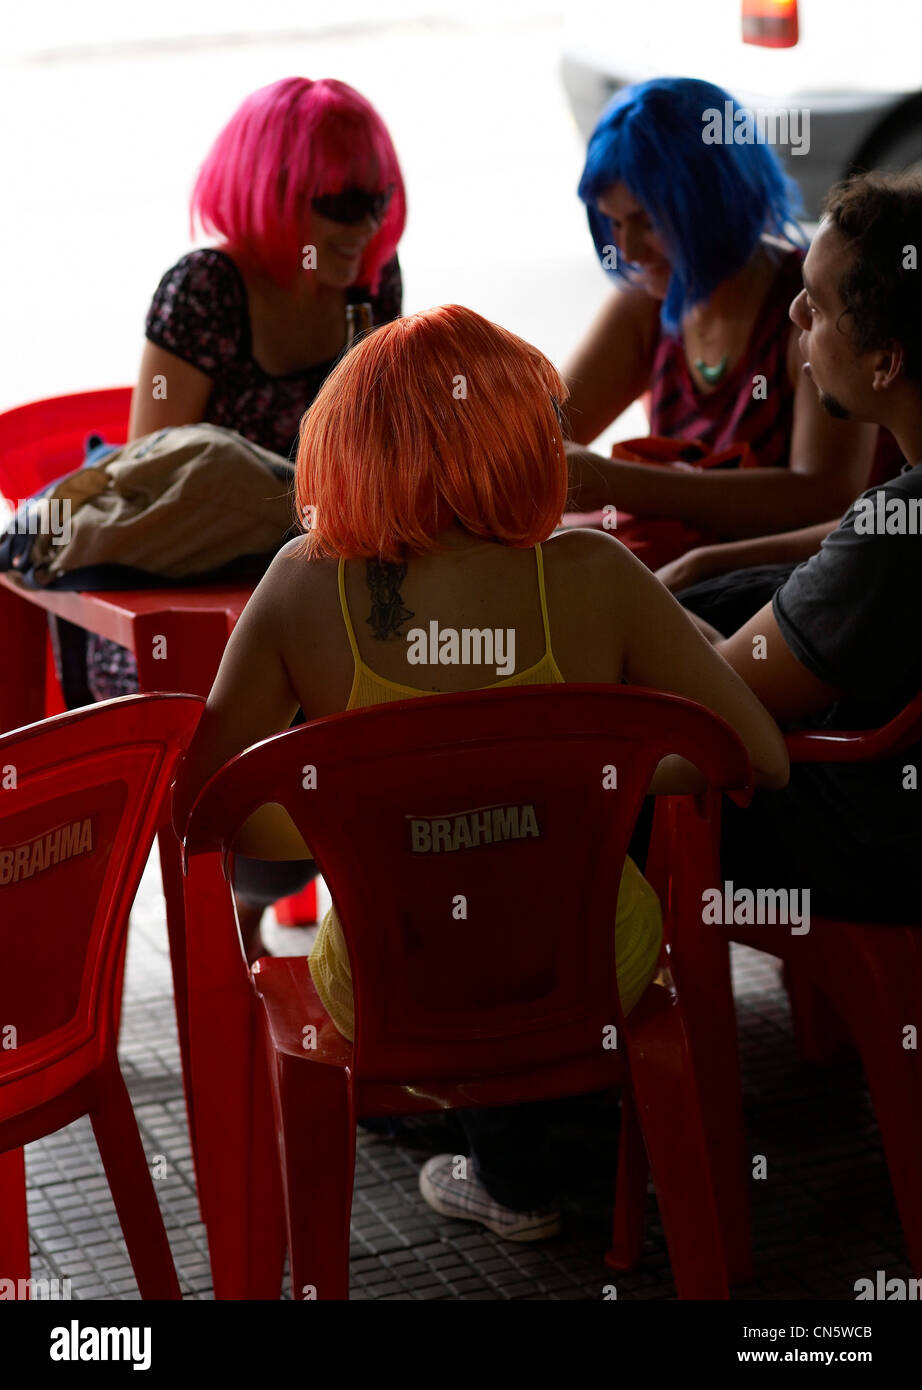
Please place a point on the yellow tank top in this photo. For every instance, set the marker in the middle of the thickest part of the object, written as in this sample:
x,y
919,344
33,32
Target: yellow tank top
x,y
638,906
371,689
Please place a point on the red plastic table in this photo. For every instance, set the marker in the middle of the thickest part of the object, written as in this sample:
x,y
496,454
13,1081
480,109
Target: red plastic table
x,y
178,637
193,623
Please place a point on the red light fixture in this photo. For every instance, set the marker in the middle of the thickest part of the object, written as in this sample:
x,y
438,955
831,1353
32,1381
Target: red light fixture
x,y
770,23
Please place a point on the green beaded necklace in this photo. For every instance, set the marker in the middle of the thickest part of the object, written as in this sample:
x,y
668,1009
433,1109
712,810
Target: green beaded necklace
x,y
711,374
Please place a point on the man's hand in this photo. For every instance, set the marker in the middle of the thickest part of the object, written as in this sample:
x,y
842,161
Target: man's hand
x,y
688,569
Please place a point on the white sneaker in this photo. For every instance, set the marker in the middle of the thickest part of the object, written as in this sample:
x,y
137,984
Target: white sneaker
x,y
465,1198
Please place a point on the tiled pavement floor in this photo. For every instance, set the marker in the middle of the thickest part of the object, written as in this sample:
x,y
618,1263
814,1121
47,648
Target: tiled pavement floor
x,y
823,1216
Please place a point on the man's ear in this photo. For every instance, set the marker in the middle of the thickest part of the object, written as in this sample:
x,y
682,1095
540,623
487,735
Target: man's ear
x,y
888,365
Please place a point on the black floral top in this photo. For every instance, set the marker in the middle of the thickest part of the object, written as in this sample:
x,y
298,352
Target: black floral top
x,y
200,313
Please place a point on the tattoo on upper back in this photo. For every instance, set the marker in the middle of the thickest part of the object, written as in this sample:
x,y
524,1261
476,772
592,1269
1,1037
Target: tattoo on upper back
x,y
387,611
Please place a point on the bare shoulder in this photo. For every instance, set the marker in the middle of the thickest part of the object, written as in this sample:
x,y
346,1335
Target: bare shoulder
x,y
597,563
582,556
610,367
639,306
294,587
630,308
586,546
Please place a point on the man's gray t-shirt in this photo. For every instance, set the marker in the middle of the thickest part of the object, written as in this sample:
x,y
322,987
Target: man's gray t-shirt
x,y
852,615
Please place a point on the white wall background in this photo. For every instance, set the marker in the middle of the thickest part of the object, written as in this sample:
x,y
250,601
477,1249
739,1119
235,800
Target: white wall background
x,y
106,110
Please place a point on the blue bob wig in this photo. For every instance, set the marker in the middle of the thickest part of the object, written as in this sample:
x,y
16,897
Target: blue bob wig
x,y
708,203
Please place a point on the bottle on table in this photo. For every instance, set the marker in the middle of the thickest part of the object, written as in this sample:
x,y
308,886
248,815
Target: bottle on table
x,y
358,321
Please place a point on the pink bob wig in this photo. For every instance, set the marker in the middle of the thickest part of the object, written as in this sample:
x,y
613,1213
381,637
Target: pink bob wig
x,y
288,143
436,417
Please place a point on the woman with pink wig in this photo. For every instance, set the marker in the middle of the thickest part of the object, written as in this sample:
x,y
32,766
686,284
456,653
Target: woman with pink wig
x,y
303,194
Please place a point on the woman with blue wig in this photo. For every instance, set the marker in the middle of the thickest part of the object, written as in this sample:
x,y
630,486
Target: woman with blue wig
x,y
697,228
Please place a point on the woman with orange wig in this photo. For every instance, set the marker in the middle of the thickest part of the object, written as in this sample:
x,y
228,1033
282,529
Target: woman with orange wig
x,y
431,473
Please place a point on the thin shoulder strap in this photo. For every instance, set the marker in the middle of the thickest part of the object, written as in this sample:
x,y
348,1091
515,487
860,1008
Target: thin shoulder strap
x,y
350,631
539,556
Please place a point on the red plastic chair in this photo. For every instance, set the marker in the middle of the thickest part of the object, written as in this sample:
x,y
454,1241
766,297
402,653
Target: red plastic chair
x,y
858,982
42,441
686,832
75,834
439,1023
300,910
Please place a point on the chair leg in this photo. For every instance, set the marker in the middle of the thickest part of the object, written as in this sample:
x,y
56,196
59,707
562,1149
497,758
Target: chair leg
x,y
266,1229
666,1091
172,878
68,645
890,998
706,993
631,1190
14,1227
819,1032
899,1118
224,1046
316,1127
700,965
125,1164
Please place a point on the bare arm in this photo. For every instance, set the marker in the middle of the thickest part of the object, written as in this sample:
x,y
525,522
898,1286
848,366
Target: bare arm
x,y
772,672
830,464
706,629
186,392
611,367
666,651
240,712
787,547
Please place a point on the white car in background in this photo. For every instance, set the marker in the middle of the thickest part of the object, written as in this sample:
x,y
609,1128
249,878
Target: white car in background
x,y
854,65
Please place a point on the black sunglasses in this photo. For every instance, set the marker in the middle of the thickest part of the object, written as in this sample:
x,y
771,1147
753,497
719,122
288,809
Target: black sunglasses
x,y
353,205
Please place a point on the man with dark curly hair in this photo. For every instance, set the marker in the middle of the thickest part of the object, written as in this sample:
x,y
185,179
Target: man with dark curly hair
x,y
838,644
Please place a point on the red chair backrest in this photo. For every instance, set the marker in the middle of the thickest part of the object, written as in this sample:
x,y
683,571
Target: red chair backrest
x,y
82,796
861,745
493,804
43,440
904,728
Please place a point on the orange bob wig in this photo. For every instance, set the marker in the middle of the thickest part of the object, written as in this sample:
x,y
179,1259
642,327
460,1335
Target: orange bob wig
x,y
438,417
